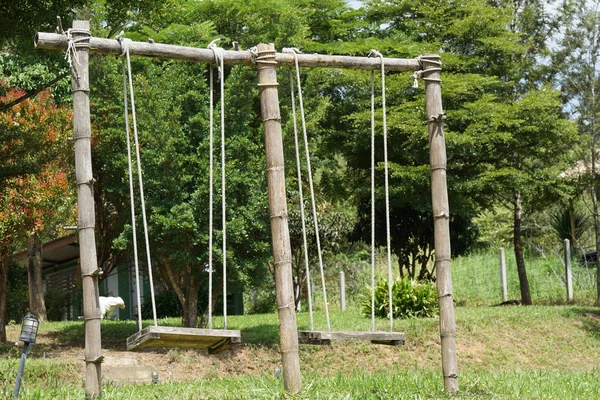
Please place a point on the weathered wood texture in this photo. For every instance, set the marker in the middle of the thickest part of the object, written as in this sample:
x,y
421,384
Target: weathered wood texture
x,y
325,337
282,253
215,340
85,202
441,217
54,41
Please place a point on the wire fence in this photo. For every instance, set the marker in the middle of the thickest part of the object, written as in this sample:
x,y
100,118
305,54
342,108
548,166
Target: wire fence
x,y
477,279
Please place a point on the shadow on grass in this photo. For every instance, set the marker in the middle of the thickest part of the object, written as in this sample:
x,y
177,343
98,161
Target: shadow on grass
x,y
264,334
589,317
114,334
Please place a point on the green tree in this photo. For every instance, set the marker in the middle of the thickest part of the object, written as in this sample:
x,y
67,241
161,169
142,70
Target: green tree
x,y
493,88
579,77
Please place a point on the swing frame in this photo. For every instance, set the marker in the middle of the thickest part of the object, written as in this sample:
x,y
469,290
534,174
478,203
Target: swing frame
x,y
80,41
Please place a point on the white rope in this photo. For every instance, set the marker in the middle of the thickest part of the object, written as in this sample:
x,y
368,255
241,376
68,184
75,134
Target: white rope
x,y
387,193
219,60
73,44
372,200
132,203
312,191
301,195
141,185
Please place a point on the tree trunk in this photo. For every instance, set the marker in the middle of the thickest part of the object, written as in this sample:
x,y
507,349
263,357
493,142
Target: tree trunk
x,y
597,237
523,282
3,287
190,305
214,297
37,304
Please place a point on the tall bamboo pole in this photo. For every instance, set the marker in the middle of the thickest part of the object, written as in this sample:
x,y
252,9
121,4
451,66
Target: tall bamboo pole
x,y
282,254
441,217
85,202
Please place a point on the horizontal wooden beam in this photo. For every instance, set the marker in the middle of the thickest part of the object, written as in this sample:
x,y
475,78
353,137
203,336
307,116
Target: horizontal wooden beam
x,y
55,41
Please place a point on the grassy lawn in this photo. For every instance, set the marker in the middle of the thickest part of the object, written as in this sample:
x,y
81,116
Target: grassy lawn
x,y
539,352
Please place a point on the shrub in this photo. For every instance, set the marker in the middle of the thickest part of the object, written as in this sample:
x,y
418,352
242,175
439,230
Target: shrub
x,y
58,302
409,299
167,305
17,293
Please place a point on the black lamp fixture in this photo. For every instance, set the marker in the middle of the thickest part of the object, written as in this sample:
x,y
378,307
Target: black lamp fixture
x,y
28,335
29,328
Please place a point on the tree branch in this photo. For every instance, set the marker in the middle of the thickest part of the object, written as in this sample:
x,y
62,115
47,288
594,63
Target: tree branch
x,y
32,93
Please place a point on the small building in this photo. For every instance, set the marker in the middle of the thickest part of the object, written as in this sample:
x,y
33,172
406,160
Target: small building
x,y
61,273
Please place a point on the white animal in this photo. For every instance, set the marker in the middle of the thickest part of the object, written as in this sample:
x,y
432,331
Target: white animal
x,y
108,305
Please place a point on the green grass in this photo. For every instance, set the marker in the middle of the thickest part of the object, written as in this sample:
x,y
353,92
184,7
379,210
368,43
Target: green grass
x,y
476,279
539,352
392,384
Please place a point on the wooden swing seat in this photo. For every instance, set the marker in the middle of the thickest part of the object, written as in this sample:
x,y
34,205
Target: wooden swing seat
x,y
325,337
215,340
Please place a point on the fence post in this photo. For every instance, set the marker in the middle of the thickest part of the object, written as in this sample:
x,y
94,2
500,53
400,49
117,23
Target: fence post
x,y
342,291
568,273
503,275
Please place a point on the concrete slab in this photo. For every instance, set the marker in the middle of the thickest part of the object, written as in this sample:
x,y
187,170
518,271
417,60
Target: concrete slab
x,y
127,374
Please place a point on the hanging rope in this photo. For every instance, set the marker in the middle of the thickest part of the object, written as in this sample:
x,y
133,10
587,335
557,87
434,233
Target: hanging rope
x,y
312,192
125,52
132,203
301,195
373,200
375,53
218,52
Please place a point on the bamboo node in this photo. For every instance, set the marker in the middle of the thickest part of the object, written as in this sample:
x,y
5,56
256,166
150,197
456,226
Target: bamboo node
x,y
265,61
97,272
289,305
442,260
441,117
441,215
81,137
453,376
80,228
437,168
271,84
280,215
271,119
85,90
276,263
97,360
277,168
445,335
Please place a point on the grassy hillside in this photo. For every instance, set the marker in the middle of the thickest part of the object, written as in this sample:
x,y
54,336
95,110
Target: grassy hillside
x,y
538,352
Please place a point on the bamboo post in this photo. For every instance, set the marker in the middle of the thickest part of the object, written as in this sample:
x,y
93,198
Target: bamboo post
x,y
441,217
342,291
85,203
568,273
282,254
503,284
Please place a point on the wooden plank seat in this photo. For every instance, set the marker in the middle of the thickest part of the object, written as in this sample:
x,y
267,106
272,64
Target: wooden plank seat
x,y
215,340
325,337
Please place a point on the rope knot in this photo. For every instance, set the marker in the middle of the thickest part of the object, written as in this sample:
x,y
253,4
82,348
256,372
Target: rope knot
x,y
124,42
217,51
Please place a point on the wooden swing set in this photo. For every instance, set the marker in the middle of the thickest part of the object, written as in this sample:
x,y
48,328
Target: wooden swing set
x,y
78,43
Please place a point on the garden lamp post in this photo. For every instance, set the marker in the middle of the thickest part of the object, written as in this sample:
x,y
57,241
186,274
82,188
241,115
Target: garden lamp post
x,y
29,330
